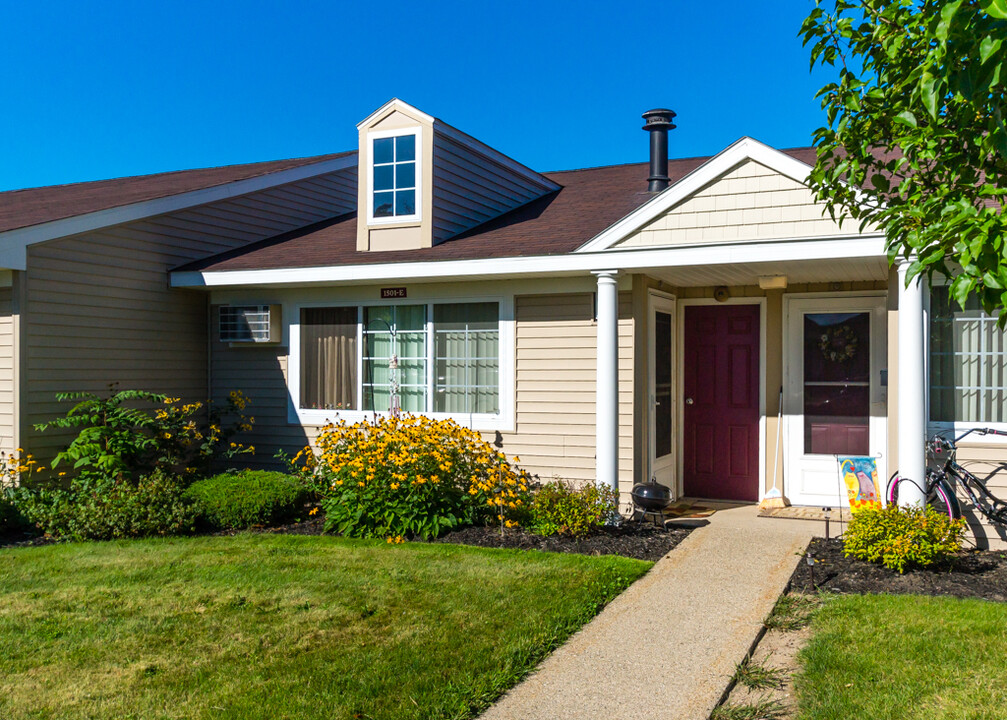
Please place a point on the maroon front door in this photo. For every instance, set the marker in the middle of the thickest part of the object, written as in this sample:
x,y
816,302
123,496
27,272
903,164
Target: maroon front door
x,y
721,418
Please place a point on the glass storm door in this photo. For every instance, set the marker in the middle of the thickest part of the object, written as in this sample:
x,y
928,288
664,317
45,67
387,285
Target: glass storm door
x,y
834,402
662,383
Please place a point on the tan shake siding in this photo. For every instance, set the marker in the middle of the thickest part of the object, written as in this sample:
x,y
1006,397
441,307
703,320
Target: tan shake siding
x,y
8,348
469,189
750,202
99,309
556,361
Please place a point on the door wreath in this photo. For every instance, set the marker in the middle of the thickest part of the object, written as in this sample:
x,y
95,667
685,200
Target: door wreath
x,y
838,343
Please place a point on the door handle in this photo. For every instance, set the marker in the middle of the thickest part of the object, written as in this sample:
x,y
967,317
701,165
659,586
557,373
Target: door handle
x,y
688,401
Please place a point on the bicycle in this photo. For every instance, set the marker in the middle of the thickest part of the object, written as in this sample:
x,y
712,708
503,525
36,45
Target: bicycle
x,y
940,481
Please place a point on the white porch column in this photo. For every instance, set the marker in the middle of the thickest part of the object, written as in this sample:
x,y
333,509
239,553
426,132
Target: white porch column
x,y
607,382
912,389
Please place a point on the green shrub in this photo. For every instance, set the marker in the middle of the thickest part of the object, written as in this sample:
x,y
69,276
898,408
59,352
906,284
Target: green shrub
x,y
412,476
111,509
11,518
902,537
243,499
132,433
561,508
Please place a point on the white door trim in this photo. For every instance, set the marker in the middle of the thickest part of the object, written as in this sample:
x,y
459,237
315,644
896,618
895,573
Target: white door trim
x,y
680,362
872,301
658,301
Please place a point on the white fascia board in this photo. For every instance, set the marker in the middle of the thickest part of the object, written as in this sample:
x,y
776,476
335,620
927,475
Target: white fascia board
x,y
391,106
738,152
14,243
493,155
637,259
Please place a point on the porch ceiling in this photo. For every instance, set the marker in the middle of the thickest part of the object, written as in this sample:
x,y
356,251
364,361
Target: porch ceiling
x,y
797,271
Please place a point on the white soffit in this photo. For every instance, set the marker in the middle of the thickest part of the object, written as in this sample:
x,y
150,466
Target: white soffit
x,y
744,149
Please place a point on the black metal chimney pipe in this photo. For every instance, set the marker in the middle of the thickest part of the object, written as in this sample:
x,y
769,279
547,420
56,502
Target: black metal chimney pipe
x,y
658,125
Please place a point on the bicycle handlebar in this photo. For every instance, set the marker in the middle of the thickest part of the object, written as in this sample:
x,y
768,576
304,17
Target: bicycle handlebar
x,y
939,443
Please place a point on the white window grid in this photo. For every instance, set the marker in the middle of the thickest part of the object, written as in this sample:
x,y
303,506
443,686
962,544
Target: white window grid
x,y
976,394
471,362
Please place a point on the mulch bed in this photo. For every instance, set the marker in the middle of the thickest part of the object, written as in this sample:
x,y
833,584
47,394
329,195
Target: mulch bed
x,y
642,541
630,539
23,539
974,574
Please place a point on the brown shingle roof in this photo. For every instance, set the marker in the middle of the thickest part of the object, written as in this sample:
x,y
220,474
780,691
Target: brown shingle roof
x,y
33,206
590,201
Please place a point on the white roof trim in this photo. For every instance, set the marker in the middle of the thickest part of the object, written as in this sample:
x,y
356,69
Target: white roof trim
x,y
494,155
744,149
393,105
14,243
818,248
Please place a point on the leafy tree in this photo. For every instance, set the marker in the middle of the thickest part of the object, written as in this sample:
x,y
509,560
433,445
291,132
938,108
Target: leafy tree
x,y
916,143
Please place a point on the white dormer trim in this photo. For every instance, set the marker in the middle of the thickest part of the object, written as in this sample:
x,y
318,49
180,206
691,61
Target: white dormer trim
x,y
391,106
733,155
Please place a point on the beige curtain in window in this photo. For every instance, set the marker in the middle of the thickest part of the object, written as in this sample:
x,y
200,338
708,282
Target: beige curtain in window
x,y
329,358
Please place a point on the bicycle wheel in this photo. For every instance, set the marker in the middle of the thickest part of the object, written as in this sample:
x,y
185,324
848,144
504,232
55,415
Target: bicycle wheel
x,y
941,497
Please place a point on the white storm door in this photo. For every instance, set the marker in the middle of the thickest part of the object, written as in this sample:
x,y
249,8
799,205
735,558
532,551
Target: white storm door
x,y
661,391
835,350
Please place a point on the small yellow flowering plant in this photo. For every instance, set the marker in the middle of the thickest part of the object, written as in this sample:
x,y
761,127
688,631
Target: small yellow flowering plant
x,y
131,433
411,477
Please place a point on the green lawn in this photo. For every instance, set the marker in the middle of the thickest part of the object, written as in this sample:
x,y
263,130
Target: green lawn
x,y
906,657
262,626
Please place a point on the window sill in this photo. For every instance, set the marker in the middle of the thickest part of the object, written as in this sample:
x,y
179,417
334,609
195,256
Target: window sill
x,y
481,422
957,428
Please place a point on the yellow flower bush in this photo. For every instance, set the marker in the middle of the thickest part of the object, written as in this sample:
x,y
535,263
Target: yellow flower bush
x,y
899,538
411,476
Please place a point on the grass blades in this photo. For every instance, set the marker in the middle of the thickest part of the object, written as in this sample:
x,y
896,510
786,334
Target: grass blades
x,y
757,676
792,612
281,626
907,657
762,710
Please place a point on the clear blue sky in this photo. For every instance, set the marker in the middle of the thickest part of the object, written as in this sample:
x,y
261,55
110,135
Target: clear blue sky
x,y
99,89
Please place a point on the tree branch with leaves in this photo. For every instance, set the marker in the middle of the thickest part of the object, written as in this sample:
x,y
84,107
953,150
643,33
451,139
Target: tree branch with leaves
x,y
916,141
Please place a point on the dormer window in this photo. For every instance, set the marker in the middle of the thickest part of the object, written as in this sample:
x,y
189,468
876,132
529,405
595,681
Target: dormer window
x,y
395,173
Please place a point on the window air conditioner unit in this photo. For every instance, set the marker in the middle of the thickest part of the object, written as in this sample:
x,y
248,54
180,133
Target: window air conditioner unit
x,y
250,323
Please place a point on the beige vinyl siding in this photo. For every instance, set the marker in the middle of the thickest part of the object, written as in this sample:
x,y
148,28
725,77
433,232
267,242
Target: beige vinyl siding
x,y
260,372
749,202
469,189
99,309
556,340
986,461
8,348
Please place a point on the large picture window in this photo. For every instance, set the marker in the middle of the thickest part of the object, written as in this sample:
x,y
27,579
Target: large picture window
x,y
329,358
968,362
399,332
435,358
466,358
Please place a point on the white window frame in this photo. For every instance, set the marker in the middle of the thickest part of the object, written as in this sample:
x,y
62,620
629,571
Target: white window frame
x,y
960,426
417,216
502,420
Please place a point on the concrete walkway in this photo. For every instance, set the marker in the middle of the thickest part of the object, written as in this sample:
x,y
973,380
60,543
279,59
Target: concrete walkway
x,y
667,647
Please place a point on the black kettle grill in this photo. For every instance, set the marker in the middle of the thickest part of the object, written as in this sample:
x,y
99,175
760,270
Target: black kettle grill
x,y
651,497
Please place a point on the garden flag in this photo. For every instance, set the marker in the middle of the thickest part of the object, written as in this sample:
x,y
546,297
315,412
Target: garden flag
x,y
860,475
